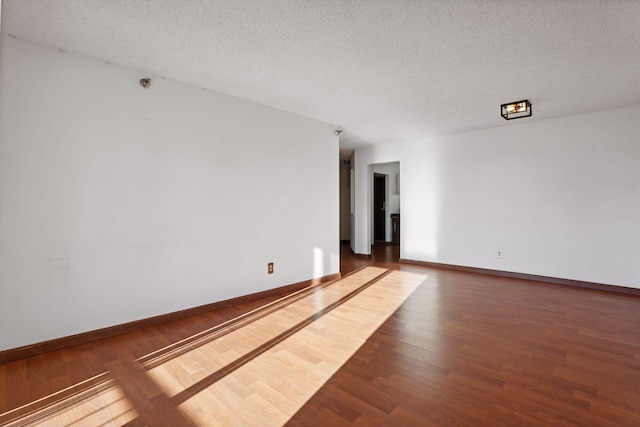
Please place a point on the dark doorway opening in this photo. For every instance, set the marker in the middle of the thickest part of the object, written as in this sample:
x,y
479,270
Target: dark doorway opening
x,y
379,207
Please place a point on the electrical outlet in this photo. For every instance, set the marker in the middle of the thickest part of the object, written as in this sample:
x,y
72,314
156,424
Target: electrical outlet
x,y
499,253
270,268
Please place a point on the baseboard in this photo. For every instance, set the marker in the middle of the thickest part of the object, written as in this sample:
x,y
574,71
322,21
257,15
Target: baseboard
x,y
524,276
364,256
85,337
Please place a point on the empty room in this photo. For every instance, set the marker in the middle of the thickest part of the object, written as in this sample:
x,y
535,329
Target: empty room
x,y
319,213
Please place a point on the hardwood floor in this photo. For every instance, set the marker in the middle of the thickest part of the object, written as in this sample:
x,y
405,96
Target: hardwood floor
x,y
455,349
382,255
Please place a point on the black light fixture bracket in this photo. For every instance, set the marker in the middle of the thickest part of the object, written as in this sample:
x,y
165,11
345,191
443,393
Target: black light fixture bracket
x,y
516,110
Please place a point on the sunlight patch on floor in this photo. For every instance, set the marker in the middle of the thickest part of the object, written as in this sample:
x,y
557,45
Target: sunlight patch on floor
x,y
271,388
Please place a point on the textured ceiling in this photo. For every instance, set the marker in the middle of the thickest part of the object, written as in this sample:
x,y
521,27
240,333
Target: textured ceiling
x,y
383,70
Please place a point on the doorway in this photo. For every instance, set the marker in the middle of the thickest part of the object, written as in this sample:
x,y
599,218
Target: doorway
x,y
384,206
379,207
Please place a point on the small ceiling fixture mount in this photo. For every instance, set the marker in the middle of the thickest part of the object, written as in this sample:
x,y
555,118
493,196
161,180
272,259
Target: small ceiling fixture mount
x,y
338,132
145,83
516,110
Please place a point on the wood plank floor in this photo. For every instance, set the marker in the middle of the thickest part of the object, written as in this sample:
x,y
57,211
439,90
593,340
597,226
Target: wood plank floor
x,y
452,349
256,370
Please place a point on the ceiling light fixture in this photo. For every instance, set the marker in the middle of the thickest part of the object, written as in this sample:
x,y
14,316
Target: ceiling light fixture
x,y
516,110
145,83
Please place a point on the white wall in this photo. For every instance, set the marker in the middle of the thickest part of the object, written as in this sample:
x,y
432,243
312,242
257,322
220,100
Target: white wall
x,y
119,203
560,197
